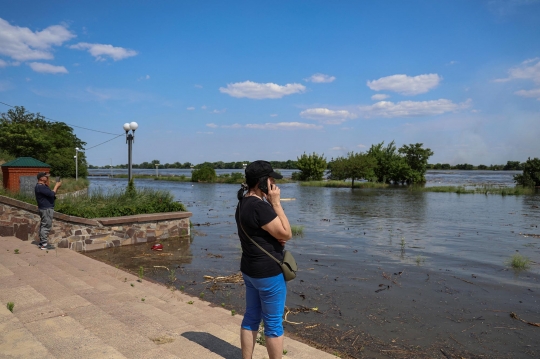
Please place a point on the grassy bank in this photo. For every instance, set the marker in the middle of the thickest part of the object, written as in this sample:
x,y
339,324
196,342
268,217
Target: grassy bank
x,y
119,203
485,190
343,184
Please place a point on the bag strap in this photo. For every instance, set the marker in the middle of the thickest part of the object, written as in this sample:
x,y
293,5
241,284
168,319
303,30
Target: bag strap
x,y
257,244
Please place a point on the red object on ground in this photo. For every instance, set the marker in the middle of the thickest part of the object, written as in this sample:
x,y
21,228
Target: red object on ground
x,y
157,247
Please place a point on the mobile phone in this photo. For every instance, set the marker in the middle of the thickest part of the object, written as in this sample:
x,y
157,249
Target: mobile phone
x,y
263,184
58,179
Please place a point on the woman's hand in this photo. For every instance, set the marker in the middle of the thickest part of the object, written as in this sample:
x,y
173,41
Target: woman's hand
x,y
274,194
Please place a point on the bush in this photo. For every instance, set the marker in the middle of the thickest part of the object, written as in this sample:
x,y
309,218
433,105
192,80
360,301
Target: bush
x,y
205,173
311,167
531,173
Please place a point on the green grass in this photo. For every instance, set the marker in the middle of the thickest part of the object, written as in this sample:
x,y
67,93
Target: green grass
x,y
117,203
297,230
519,262
10,306
483,189
343,184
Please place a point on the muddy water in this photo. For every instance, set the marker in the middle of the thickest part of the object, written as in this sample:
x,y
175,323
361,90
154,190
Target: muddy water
x,y
391,273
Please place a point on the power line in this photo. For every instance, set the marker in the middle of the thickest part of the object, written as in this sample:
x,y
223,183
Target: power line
x,y
84,128
86,149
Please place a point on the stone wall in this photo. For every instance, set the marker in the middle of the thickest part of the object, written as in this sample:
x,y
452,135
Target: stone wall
x,y
21,220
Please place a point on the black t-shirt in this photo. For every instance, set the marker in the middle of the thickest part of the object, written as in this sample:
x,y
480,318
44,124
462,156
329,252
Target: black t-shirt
x,y
254,214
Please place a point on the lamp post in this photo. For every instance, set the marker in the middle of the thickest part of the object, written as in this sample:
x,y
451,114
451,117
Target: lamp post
x,y
130,137
77,150
157,165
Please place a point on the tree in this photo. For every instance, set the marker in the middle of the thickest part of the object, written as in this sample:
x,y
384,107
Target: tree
x,y
204,173
386,158
416,158
25,134
531,173
512,166
355,166
311,167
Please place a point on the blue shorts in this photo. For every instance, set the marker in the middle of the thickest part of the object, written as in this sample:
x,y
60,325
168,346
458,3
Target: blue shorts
x,y
265,299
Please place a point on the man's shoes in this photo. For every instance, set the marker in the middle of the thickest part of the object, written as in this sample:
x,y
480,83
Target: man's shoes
x,y
46,247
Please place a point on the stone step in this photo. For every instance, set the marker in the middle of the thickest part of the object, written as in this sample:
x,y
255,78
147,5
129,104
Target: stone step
x,y
62,292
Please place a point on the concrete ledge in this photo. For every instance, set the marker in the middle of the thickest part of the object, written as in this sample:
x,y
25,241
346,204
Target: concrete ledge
x,y
22,220
141,218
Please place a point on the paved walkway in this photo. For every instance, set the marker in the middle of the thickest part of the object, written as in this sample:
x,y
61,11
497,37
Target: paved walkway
x,y
70,306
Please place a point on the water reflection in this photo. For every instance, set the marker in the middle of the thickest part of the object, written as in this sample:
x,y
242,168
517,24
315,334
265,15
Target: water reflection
x,y
176,251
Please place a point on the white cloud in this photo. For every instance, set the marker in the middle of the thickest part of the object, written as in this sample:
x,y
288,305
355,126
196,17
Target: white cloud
x,y
412,108
205,133
259,91
47,68
327,116
211,125
338,148
274,115
527,70
529,93
198,86
3,63
284,126
361,146
190,108
21,43
203,107
379,97
406,85
320,78
219,111
101,50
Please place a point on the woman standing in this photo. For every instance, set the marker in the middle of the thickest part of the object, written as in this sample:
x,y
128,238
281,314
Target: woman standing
x,y
260,216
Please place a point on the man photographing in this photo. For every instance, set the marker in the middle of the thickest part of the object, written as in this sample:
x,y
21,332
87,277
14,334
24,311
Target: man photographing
x,y
45,200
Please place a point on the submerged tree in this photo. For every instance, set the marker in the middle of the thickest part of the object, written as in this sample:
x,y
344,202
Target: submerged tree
x,y
356,166
406,165
531,173
311,167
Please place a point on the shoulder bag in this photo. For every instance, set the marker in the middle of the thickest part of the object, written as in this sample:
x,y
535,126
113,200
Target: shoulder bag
x,y
288,265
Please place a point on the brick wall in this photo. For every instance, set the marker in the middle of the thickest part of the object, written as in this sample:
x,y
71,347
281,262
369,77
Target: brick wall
x,y
11,175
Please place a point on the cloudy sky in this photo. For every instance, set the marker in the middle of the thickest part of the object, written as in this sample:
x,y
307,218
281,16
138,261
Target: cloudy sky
x,y
248,80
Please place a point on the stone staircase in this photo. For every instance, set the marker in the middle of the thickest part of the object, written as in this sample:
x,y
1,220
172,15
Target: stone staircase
x,y
70,306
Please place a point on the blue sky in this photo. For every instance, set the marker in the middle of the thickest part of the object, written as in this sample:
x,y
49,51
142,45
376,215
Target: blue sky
x,y
248,80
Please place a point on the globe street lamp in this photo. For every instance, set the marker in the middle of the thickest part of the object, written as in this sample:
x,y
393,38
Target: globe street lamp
x,y
77,150
130,137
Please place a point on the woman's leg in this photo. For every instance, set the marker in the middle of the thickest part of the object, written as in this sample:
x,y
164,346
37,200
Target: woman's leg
x,y
252,319
247,342
273,292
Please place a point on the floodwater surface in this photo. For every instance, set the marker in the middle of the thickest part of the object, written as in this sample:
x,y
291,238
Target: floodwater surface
x,y
384,273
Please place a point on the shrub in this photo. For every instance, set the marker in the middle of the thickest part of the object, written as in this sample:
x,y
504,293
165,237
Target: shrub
x,y
531,173
311,167
205,173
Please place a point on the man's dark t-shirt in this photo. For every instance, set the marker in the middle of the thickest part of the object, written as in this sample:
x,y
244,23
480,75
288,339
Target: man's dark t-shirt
x,y
254,214
44,196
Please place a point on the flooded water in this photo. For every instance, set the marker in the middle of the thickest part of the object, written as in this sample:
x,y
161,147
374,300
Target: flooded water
x,y
392,272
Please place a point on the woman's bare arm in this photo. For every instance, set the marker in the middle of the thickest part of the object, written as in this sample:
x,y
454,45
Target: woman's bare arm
x,y
279,228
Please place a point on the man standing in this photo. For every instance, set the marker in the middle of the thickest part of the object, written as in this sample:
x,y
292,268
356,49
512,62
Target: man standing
x,y
45,199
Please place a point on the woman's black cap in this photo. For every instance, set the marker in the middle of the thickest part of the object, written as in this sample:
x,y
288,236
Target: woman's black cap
x,y
258,169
